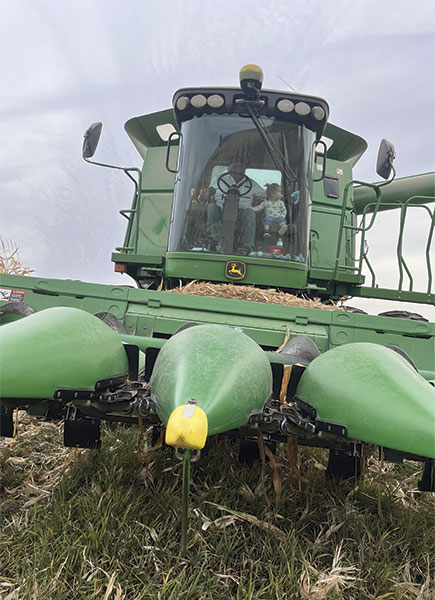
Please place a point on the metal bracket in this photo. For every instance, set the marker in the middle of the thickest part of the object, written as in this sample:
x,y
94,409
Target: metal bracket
x,y
69,395
132,352
334,428
103,384
6,421
134,396
150,359
80,431
281,418
195,455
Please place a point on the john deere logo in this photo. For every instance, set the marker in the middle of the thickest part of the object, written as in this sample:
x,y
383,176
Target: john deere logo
x,y
235,269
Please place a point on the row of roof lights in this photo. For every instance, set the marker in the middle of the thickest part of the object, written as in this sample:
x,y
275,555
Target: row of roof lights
x,y
199,101
284,105
301,108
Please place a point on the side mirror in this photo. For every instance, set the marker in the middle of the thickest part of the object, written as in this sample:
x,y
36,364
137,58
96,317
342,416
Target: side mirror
x,y
92,137
386,155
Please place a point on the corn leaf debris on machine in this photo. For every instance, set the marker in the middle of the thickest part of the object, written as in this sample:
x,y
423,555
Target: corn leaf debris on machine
x,y
242,191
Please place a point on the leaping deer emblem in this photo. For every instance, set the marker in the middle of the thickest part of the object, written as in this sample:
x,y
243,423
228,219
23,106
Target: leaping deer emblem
x,y
235,271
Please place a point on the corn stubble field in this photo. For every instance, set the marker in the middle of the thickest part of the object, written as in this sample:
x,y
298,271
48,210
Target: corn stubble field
x,y
84,524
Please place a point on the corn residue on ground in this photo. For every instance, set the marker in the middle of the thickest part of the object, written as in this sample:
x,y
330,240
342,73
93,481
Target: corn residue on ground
x,y
83,524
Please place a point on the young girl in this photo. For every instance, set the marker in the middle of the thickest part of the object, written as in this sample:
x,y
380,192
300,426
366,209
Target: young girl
x,y
274,209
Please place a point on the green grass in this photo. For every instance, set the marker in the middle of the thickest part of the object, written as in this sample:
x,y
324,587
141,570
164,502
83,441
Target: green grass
x,y
93,524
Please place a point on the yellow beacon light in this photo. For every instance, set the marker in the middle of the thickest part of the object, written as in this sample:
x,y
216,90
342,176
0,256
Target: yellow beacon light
x,y
251,79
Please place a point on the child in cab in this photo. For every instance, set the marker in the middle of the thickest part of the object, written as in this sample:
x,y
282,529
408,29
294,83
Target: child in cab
x,y
274,209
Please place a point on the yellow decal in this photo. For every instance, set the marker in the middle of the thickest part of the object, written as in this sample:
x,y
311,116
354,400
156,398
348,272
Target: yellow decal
x,y
235,269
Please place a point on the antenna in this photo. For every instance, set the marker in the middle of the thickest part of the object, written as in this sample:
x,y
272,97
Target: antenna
x,y
287,84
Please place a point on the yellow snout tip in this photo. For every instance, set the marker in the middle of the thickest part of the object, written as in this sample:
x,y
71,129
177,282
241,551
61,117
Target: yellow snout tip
x,y
187,428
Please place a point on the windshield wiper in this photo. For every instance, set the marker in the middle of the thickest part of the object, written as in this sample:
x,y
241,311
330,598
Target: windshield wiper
x,y
279,159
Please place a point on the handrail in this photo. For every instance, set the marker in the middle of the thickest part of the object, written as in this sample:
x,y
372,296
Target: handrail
x,y
348,186
357,229
129,213
362,228
400,258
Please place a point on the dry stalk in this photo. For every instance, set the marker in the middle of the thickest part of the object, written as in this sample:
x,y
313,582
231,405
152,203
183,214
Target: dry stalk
x,y
9,261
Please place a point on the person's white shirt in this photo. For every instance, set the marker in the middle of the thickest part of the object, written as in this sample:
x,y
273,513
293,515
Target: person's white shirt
x,y
273,209
245,201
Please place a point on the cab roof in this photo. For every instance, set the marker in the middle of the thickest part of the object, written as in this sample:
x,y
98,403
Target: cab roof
x,y
153,130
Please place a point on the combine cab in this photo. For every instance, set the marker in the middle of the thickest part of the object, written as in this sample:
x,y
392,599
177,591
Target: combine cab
x,y
245,231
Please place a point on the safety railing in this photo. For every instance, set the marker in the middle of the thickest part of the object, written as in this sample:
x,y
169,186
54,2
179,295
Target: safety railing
x,y
358,262
131,214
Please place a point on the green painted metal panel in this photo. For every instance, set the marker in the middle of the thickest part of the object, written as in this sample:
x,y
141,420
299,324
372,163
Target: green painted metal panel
x,y
147,234
220,367
147,312
211,267
374,392
346,146
143,130
153,224
92,297
325,222
148,259
54,348
155,175
397,192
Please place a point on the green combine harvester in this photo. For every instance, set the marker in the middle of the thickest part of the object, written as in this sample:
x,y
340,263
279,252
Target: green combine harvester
x,y
242,191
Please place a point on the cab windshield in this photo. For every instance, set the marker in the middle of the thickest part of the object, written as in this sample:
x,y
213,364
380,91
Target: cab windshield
x,y
232,197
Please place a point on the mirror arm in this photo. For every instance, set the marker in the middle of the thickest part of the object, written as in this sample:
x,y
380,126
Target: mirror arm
x,y
125,169
393,170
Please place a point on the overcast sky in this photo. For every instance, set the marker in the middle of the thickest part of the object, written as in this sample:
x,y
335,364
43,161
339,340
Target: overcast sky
x,y
67,63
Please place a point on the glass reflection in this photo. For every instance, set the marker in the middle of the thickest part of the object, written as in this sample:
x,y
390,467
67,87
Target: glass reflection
x,y
233,197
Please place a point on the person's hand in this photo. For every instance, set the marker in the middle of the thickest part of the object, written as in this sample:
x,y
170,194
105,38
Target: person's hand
x,y
296,196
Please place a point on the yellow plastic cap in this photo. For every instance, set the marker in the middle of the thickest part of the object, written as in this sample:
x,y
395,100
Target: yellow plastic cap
x,y
251,72
187,427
